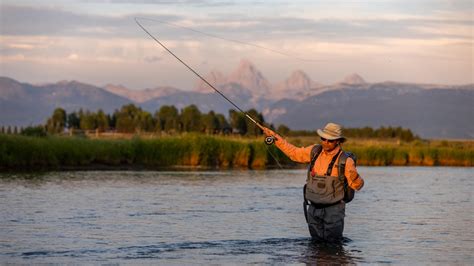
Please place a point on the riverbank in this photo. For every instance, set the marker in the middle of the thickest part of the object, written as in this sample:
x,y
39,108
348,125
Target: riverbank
x,y
207,152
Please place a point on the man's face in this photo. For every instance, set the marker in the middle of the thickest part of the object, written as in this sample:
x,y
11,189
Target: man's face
x,y
329,145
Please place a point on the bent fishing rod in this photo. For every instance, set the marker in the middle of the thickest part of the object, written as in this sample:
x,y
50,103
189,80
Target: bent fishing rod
x,y
269,140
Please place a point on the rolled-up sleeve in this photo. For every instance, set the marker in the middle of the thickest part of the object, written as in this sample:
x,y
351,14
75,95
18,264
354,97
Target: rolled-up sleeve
x,y
354,180
297,154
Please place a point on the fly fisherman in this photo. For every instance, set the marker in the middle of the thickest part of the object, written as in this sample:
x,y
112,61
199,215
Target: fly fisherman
x,y
326,191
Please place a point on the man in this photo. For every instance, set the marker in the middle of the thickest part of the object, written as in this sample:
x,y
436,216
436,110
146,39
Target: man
x,y
324,191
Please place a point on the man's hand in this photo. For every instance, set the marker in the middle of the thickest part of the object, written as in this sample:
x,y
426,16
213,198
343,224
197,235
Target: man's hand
x,y
268,132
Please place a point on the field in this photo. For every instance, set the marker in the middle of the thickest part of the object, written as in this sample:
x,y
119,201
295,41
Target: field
x,y
196,151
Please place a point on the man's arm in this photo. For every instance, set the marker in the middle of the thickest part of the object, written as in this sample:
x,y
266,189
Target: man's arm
x,y
354,180
297,154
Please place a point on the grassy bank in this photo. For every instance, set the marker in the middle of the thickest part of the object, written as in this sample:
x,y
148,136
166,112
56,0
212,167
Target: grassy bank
x,y
200,151
194,151
373,152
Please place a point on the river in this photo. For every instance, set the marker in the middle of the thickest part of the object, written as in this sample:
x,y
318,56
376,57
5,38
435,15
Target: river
x,y
403,215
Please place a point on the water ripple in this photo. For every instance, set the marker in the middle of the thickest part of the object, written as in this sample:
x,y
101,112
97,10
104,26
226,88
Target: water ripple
x,y
403,215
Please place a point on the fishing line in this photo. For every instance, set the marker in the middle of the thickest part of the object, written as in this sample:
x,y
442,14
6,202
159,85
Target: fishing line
x,y
233,40
197,74
268,140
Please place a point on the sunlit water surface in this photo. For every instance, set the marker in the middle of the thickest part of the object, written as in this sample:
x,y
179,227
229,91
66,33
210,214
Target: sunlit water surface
x,y
403,215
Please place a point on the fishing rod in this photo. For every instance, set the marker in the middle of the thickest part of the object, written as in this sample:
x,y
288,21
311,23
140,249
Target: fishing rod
x,y
269,140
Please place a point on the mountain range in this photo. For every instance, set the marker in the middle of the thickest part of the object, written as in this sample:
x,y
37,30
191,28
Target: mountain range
x,y
430,110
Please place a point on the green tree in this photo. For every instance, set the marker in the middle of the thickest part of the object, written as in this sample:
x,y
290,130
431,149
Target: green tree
x,y
367,132
57,121
252,128
407,135
102,121
283,130
169,119
382,132
158,125
210,123
237,122
131,118
224,126
191,119
145,121
127,118
34,131
73,120
112,119
88,120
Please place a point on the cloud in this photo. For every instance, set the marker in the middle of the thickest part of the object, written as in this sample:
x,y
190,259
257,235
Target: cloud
x,y
20,20
201,3
339,29
45,35
73,57
329,29
152,59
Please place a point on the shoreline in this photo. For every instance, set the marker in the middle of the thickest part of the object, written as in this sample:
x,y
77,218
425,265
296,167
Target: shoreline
x,y
186,168
206,152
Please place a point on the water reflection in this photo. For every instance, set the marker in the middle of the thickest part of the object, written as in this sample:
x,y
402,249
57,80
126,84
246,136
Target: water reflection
x,y
328,253
274,250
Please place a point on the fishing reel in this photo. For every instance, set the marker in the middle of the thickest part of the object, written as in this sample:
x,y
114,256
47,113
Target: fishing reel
x,y
269,140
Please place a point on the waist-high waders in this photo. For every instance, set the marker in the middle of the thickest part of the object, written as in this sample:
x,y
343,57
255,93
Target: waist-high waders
x,y
325,220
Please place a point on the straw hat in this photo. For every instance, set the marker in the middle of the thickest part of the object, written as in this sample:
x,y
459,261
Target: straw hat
x,y
331,131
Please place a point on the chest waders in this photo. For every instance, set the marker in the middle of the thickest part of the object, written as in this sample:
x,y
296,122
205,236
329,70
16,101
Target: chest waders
x,y
326,190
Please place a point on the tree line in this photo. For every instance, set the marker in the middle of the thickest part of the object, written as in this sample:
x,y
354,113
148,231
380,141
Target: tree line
x,y
168,119
364,132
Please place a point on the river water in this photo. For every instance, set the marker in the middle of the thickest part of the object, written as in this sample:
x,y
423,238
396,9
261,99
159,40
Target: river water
x,y
403,215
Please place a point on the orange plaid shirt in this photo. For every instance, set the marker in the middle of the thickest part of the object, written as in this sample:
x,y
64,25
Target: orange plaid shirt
x,y
303,155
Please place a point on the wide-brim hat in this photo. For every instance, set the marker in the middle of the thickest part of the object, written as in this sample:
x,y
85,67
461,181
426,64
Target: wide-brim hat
x,y
331,131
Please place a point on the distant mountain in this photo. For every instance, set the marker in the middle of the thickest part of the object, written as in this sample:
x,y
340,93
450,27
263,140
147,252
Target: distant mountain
x,y
215,78
246,86
430,110
248,76
430,113
140,96
353,79
24,104
207,101
297,86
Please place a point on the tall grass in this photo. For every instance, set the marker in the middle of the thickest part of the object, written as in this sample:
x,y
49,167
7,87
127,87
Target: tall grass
x,y
414,156
383,152
201,151
20,152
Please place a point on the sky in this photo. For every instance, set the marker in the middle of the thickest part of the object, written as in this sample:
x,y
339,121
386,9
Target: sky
x,y
98,41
